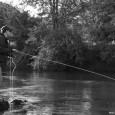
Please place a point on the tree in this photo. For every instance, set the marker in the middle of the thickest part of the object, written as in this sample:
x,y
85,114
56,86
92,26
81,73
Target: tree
x,y
92,21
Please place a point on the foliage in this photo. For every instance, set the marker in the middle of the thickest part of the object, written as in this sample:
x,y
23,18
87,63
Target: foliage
x,y
62,46
74,32
103,33
93,22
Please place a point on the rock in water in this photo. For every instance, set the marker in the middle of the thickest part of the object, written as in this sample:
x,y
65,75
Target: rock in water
x,y
18,102
4,105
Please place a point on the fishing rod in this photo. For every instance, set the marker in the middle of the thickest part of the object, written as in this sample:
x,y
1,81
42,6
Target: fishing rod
x,y
67,65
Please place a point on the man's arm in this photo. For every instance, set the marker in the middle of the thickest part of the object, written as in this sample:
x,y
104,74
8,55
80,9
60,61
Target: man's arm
x,y
3,49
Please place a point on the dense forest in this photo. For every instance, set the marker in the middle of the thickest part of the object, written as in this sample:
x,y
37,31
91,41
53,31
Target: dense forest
x,y
75,32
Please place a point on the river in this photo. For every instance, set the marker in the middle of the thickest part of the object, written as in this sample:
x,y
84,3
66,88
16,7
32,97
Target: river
x,y
56,93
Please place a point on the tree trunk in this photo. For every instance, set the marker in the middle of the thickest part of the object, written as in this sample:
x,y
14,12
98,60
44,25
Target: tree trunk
x,y
54,13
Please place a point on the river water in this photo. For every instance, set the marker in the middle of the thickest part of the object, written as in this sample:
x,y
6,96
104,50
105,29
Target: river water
x,y
54,93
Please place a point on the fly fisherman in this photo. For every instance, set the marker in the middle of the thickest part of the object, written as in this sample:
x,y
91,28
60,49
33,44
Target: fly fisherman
x,y
5,48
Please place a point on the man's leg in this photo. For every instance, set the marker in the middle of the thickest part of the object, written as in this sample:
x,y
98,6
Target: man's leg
x,y
3,68
0,76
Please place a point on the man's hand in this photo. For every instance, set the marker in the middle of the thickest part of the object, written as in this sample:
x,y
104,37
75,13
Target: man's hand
x,y
15,50
34,57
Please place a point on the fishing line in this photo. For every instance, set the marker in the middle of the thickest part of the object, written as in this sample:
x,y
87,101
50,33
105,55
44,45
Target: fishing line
x,y
11,80
68,65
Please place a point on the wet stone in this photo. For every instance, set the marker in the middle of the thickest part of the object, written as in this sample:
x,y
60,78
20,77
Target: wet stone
x,y
4,105
18,102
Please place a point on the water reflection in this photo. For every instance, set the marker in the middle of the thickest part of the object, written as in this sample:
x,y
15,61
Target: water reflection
x,y
86,104
47,96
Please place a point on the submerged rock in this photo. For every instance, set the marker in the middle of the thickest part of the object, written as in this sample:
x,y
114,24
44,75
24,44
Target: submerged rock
x,y
18,102
4,105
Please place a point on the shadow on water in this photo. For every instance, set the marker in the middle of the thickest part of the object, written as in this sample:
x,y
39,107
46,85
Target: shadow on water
x,y
58,94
